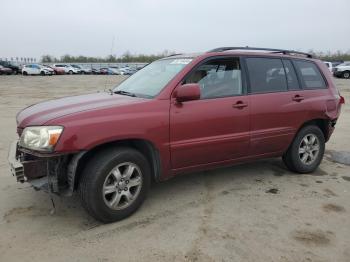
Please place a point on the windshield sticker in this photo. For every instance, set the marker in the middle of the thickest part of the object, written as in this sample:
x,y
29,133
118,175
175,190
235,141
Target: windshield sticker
x,y
183,61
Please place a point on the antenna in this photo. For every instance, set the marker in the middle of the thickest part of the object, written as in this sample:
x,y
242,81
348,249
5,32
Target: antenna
x,y
111,54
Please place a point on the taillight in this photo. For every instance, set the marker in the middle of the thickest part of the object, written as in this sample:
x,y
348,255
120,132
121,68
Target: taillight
x,y
342,100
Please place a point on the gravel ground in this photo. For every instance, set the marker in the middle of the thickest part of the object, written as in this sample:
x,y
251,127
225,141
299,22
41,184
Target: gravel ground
x,y
251,212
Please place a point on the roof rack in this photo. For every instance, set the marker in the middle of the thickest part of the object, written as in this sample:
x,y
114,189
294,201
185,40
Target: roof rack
x,y
272,50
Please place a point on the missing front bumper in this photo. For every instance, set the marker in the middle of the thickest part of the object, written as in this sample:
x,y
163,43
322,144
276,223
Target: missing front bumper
x,y
43,173
25,167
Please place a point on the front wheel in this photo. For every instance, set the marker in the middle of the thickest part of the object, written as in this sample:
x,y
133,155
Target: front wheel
x,y
306,151
114,184
346,74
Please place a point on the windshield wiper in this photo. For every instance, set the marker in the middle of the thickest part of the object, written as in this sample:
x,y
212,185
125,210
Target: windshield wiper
x,y
125,93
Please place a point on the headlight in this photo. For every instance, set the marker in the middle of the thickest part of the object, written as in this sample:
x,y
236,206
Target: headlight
x,y
41,138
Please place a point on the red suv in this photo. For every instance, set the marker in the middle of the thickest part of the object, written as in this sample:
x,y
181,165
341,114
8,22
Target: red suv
x,y
179,114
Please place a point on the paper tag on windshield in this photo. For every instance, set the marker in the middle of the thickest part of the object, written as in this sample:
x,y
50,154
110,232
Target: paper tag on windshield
x,y
183,61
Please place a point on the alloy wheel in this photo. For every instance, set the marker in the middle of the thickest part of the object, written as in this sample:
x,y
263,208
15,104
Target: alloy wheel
x,y
122,186
309,149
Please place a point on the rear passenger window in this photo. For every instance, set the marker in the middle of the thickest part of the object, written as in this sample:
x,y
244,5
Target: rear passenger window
x,y
310,75
292,79
266,75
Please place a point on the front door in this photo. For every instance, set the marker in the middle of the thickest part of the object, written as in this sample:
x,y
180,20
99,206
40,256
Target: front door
x,y
216,127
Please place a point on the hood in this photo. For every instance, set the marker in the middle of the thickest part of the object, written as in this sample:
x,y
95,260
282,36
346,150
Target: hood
x,y
41,113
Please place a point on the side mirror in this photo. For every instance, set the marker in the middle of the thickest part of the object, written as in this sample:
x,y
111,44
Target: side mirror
x,y
188,92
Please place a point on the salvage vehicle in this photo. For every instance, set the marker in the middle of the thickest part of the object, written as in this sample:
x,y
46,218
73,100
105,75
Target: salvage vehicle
x,y
342,70
15,68
56,70
36,69
83,69
5,70
179,114
68,69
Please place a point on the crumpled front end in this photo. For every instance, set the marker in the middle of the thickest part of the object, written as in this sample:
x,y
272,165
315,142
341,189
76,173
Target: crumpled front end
x,y
43,172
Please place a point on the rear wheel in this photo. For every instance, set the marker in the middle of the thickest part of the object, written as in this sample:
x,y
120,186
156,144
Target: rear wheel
x,y
306,151
70,72
25,73
42,73
346,74
114,184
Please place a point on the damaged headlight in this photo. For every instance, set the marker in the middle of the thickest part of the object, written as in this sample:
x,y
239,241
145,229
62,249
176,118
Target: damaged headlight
x,y
41,138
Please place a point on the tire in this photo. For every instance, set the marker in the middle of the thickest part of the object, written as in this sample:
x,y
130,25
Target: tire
x,y
42,73
25,73
70,72
95,181
82,72
301,157
346,74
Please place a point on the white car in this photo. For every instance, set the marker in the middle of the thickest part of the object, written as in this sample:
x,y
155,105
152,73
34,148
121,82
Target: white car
x,y
35,69
68,69
329,65
342,70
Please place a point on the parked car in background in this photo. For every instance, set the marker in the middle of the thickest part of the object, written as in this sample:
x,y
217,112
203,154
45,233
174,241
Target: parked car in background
x,y
159,123
36,69
57,70
336,63
329,65
120,70
113,70
68,69
104,71
126,71
342,70
95,71
5,70
83,69
11,65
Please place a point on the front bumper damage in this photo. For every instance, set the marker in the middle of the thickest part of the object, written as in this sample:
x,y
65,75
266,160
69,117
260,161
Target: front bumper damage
x,y
51,173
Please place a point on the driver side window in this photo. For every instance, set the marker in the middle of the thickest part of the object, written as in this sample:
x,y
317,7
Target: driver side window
x,y
218,78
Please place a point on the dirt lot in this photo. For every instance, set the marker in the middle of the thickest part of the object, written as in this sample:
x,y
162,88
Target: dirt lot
x,y
253,212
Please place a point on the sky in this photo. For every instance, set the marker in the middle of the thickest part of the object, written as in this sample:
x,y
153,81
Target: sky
x,y
85,27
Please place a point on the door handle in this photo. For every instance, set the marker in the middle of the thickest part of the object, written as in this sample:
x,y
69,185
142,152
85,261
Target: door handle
x,y
239,105
298,98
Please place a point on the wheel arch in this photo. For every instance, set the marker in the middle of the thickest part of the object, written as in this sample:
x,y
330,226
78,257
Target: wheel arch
x,y
321,123
79,161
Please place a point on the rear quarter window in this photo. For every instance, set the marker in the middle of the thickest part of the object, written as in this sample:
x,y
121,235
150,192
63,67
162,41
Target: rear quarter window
x,y
310,75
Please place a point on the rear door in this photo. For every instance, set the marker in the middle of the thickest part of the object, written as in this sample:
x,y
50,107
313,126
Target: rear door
x,y
276,111
216,127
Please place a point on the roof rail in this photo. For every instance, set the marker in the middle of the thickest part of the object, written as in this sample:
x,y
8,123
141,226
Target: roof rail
x,y
272,50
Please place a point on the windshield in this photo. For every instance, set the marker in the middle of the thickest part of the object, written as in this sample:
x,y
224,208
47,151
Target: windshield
x,y
150,80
